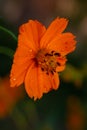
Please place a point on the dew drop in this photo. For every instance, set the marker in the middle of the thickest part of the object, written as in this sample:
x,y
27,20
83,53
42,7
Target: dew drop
x,y
30,50
14,79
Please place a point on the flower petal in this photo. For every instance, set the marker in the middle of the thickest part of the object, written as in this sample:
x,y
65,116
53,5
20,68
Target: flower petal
x,y
30,34
61,61
64,43
38,82
28,40
31,82
54,80
22,60
55,28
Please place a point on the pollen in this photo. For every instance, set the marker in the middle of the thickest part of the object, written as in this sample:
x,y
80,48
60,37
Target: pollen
x,y
48,61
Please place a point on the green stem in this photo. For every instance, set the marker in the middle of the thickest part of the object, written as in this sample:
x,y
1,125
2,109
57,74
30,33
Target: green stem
x,y
7,51
9,32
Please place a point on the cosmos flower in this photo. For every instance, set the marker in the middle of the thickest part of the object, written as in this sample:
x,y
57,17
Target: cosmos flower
x,y
40,55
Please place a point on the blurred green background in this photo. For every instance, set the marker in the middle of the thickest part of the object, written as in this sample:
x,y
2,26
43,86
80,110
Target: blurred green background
x,y
64,109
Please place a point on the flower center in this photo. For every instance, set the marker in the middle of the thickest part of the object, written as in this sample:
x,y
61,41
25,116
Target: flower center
x,y
47,61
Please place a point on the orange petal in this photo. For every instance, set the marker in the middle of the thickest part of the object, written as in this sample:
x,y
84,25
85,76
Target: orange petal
x,y
55,28
61,61
18,73
54,81
60,68
22,52
64,43
21,62
38,82
32,85
30,34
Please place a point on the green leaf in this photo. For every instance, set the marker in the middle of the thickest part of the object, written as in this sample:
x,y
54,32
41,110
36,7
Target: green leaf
x,y
7,51
9,32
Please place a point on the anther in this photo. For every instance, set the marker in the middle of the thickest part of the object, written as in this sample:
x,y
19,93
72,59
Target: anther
x,y
45,60
57,54
58,63
47,54
42,69
47,73
52,72
52,52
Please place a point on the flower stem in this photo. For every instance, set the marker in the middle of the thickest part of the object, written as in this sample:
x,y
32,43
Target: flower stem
x,y
9,32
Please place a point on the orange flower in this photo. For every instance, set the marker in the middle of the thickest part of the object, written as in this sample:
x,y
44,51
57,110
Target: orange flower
x,y
40,54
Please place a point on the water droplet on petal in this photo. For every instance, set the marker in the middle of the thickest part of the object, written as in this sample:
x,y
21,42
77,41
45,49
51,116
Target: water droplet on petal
x,y
30,50
14,79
